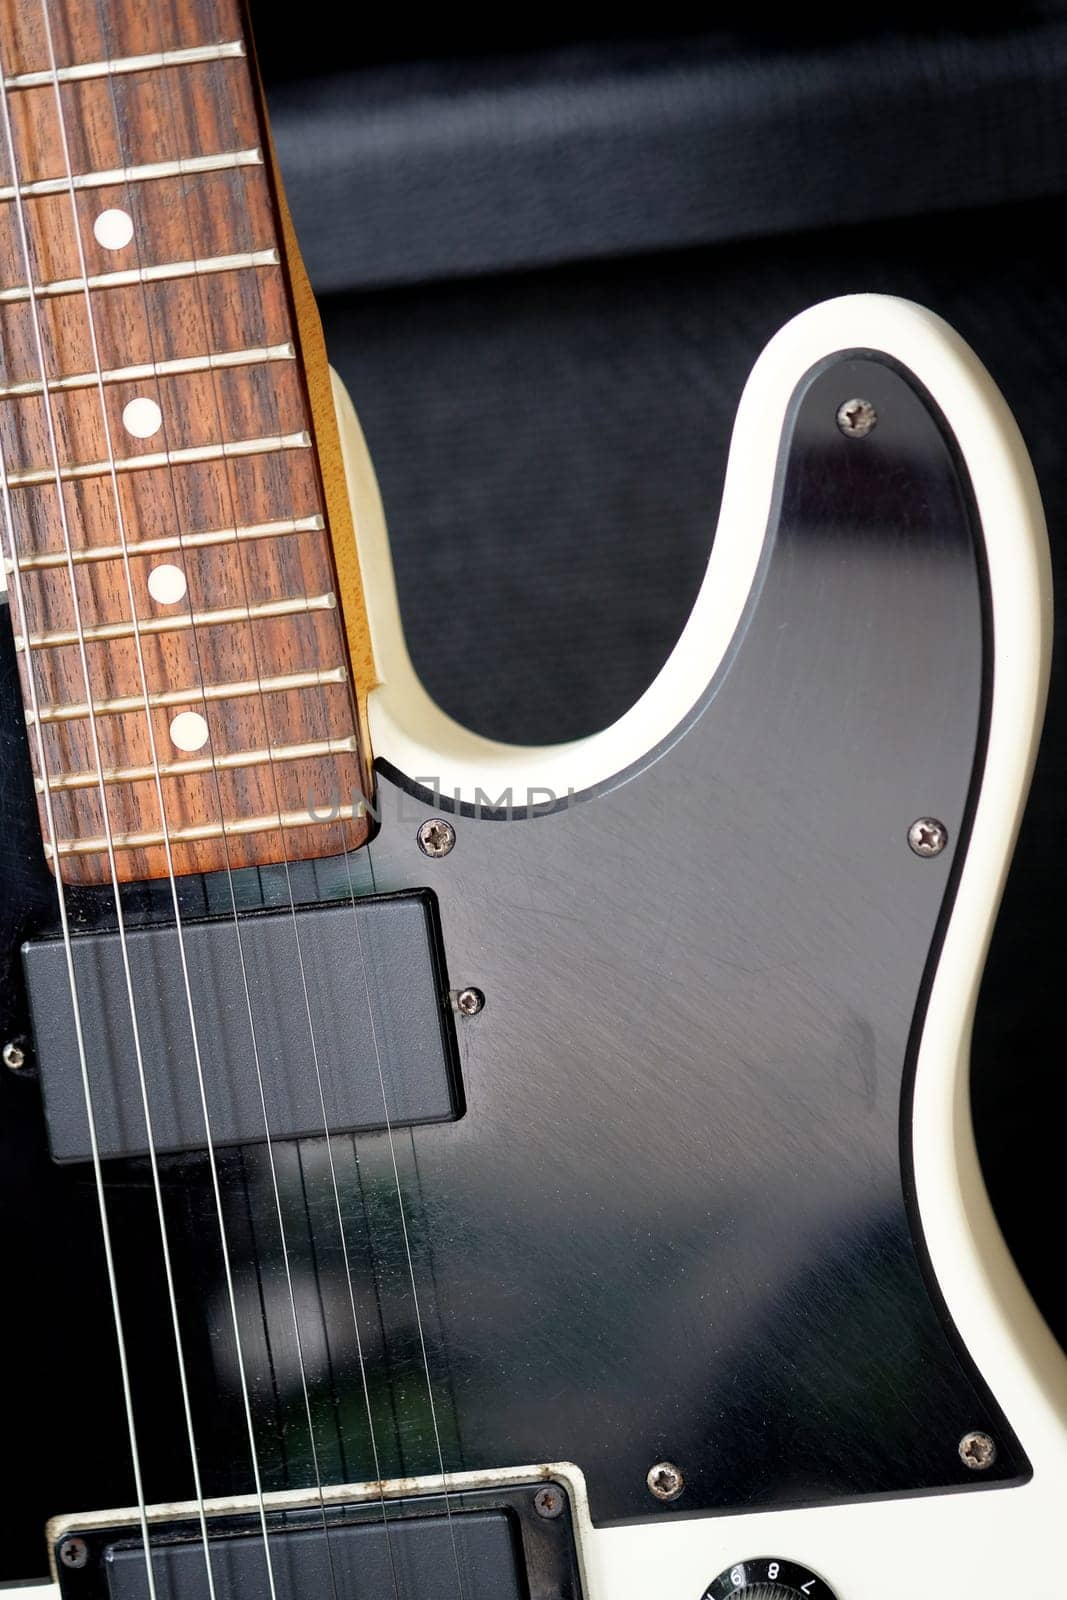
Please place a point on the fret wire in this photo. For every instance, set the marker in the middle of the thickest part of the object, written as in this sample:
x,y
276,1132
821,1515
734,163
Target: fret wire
x,y
206,361
178,366
298,606
175,541
316,748
118,705
220,430
197,832
131,840
126,277
197,1058
185,167
62,906
33,477
118,65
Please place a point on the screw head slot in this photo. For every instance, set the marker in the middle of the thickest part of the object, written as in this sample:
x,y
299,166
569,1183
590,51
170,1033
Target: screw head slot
x,y
927,836
73,1553
856,418
665,1481
548,1501
469,1002
977,1451
436,837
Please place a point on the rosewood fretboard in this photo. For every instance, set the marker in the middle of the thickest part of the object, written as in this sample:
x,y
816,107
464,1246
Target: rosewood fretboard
x,y
172,420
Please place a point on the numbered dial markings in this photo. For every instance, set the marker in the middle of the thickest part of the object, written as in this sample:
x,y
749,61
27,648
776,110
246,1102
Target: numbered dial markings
x,y
768,1578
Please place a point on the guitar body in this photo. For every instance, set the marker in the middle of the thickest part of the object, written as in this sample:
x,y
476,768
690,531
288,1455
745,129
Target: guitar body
x,y
564,1184
713,1199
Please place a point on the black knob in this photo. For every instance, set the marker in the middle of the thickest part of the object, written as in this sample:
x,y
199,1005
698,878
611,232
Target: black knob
x,y
768,1578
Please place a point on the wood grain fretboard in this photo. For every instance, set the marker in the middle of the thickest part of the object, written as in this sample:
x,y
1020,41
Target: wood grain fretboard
x,y
165,470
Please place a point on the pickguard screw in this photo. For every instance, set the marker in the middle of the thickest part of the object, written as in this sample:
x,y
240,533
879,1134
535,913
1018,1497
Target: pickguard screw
x,y
927,836
14,1055
470,1002
977,1451
436,837
74,1552
548,1501
856,418
665,1480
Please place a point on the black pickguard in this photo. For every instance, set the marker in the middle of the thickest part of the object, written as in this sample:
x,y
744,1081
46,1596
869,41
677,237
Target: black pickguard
x,y
675,1220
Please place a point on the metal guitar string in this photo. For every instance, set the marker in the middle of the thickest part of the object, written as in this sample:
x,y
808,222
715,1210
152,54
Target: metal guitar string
x,y
119,125
105,1225
50,421
53,446
346,854
154,1166
121,529
242,211
320,1090
385,1108
214,1174
403,1219
53,840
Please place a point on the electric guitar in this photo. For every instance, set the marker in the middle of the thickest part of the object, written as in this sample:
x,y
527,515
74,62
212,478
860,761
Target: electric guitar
x,y
450,1169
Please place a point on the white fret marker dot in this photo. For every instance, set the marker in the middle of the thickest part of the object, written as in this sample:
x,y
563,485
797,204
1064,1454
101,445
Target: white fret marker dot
x,y
113,229
189,730
142,417
167,584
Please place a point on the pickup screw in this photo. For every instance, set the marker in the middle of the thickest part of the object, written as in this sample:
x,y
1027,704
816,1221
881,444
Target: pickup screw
x,y
74,1552
927,836
14,1055
977,1451
856,418
548,1501
665,1480
436,837
470,1002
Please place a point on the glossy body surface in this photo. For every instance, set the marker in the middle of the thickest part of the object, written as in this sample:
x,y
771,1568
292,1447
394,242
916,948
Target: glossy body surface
x,y
750,905
673,1222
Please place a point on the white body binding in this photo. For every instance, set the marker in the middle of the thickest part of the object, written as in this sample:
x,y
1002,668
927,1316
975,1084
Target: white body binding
x,y
969,1543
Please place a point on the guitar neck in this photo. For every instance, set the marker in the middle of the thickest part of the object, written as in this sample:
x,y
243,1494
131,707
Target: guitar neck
x,y
169,460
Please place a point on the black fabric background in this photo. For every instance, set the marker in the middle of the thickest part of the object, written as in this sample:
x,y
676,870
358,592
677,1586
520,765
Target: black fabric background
x,y
551,443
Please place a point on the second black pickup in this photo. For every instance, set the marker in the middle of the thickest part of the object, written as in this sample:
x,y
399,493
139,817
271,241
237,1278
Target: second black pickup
x,y
330,1018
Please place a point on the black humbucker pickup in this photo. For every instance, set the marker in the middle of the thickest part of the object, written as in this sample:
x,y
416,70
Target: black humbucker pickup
x,y
342,1005
512,1541
472,1555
